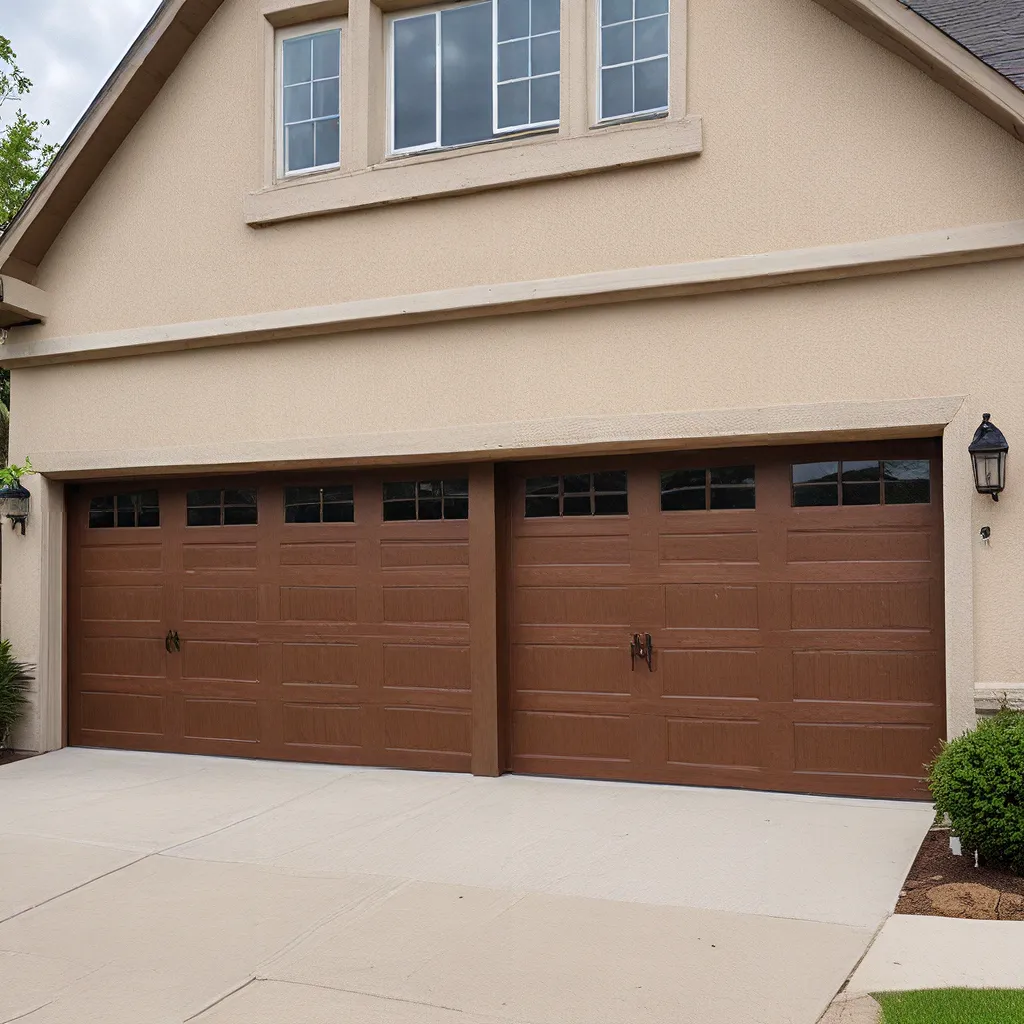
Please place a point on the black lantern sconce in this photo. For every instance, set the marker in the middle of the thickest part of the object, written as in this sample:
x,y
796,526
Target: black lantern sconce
x,y
988,453
15,502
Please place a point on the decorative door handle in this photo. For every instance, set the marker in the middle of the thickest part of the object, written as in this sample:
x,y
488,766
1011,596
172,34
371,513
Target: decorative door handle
x,y
641,646
172,642
177,642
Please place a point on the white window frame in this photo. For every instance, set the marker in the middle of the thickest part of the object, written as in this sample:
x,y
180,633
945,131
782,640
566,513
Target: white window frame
x,y
636,115
530,125
298,32
435,146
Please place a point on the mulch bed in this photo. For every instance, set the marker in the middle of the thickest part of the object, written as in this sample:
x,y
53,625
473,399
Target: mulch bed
x,y
942,885
10,756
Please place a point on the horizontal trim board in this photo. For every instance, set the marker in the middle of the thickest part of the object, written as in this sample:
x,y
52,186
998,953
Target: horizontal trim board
x,y
952,247
476,169
646,432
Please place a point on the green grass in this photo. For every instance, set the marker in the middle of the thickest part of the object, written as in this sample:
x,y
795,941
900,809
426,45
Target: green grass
x,y
953,1006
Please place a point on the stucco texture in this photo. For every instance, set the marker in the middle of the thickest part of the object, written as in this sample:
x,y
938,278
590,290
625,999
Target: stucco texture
x,y
813,134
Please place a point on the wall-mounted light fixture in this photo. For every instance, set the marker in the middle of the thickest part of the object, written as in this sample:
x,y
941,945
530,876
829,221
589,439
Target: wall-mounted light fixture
x,y
988,453
15,502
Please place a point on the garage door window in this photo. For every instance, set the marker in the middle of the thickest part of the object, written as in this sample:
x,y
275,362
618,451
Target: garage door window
x,y
140,509
695,490
222,508
578,494
334,504
862,482
426,500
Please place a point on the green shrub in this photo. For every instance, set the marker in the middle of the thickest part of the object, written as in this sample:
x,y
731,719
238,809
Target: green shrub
x,y
978,783
15,679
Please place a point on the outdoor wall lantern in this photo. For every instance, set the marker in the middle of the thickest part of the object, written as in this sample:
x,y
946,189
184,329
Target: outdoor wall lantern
x,y
988,453
15,501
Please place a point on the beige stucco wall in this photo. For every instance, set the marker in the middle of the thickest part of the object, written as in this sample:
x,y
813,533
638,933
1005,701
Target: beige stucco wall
x,y
813,134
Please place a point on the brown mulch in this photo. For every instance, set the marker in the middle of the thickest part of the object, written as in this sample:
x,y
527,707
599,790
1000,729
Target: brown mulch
x,y
10,756
940,884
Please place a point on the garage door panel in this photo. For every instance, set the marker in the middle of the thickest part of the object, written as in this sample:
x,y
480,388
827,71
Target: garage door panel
x,y
586,738
861,606
116,656
427,667
318,604
866,545
427,730
121,604
339,727
569,668
219,604
426,604
320,664
723,743
128,558
713,548
565,552
317,555
604,606
209,719
711,606
220,660
213,557
121,713
424,554
871,675
867,749
710,673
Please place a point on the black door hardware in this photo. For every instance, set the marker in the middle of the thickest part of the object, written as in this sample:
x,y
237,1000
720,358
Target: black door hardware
x,y
641,646
172,642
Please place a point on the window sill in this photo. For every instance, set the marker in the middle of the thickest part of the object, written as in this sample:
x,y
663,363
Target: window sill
x,y
475,169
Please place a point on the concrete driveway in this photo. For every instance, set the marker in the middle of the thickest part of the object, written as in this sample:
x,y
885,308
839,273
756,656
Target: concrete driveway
x,y
149,888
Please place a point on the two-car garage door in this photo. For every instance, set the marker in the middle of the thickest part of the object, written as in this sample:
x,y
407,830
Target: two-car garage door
x,y
793,599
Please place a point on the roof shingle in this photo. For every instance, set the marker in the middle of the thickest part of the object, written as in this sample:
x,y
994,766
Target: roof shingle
x,y
993,30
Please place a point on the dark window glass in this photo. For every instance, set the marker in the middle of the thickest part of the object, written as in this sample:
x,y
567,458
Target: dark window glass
x,y
399,511
543,485
578,494
319,504
541,508
860,472
577,505
204,516
862,494
688,499
815,472
426,500
140,509
732,497
908,482
236,507
815,494
695,490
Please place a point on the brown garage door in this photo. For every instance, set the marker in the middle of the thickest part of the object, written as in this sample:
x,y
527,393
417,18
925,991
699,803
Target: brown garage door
x,y
306,619
793,598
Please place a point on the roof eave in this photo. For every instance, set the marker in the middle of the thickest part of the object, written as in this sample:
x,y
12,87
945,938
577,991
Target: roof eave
x,y
928,48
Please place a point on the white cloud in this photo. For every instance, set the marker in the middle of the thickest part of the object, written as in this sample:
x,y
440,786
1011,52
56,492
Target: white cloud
x,y
69,48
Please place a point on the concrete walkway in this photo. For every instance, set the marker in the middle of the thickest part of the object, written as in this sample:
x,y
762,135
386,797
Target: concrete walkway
x,y
145,889
941,952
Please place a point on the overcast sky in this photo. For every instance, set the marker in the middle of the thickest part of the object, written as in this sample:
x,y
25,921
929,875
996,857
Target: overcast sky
x,y
68,48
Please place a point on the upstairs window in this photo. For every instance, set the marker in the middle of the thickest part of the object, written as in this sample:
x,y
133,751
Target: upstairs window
x,y
634,58
310,111
469,73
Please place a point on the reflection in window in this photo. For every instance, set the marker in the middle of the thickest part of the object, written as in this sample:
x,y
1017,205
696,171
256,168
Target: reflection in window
x,y
222,507
862,482
139,509
694,490
426,500
634,57
334,504
310,101
577,494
